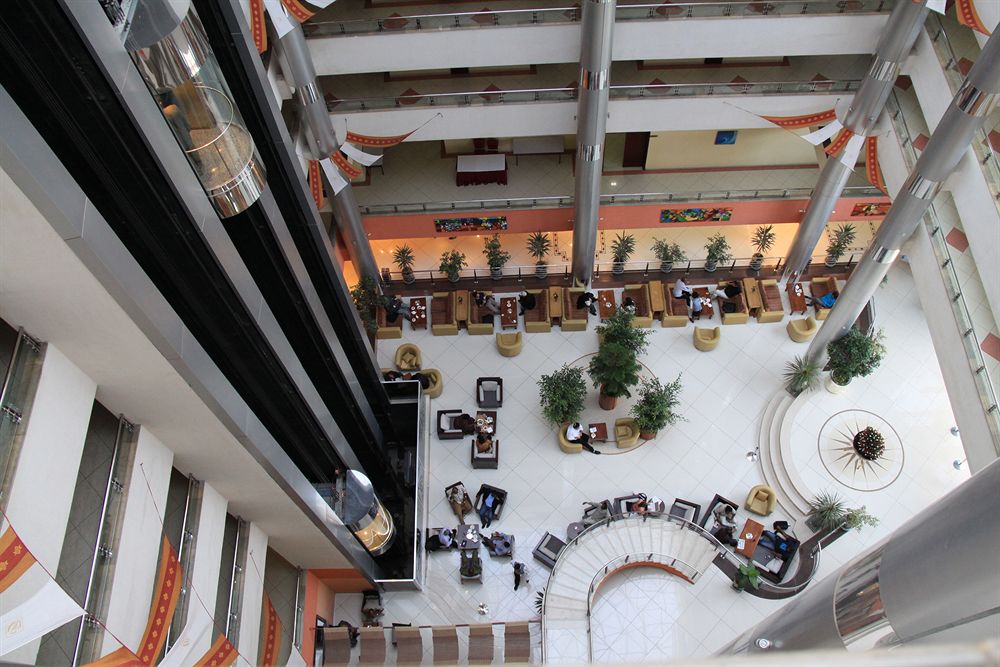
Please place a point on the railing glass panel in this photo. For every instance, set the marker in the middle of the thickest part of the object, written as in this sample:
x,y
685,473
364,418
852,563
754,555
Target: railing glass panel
x,y
16,395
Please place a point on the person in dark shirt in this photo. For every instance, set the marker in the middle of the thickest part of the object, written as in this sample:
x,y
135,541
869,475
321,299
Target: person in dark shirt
x,y
587,300
527,301
730,291
628,305
394,307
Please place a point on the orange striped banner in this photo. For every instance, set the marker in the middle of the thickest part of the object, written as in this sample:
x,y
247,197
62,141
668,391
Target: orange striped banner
x,y
15,558
315,183
257,25
345,165
298,10
167,593
965,11
871,164
222,654
839,142
371,140
792,122
272,634
123,657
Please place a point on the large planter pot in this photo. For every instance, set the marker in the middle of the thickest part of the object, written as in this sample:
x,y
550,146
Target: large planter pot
x,y
496,273
453,277
618,268
833,387
831,261
647,435
711,265
666,267
541,270
606,402
756,261
408,277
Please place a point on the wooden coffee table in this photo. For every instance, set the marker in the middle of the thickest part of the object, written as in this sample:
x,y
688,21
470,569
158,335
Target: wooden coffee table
x,y
602,432
489,418
755,530
466,543
706,302
796,298
418,312
606,303
751,291
508,312
462,306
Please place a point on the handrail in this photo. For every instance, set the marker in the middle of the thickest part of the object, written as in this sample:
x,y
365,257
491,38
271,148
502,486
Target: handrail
x,y
960,308
15,402
571,14
566,94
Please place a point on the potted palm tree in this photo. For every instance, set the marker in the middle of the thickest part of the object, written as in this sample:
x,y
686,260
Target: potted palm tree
x,y
747,577
827,513
614,369
538,247
762,241
496,257
667,253
402,256
618,329
717,251
842,237
801,374
622,248
452,262
366,301
854,355
561,394
655,407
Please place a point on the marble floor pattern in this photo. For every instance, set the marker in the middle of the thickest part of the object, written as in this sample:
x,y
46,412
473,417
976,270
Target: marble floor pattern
x,y
722,400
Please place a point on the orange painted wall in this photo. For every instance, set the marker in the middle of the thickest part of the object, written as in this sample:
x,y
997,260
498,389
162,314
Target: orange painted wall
x,y
759,212
318,602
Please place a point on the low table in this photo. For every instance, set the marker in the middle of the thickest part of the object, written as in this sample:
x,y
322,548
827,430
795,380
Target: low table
x,y
707,312
753,528
606,303
796,298
462,306
418,312
753,297
468,543
489,418
601,434
508,312
481,169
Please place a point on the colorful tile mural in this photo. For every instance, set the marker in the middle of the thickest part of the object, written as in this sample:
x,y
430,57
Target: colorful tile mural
x,y
870,210
696,215
470,224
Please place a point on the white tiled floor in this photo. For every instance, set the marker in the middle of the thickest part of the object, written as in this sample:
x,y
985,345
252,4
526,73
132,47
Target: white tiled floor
x,y
724,392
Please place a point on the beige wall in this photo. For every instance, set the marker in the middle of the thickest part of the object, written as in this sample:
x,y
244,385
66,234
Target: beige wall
x,y
753,148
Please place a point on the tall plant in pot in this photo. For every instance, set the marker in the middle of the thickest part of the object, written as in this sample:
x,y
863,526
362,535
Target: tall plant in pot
x,y
496,256
827,513
655,408
618,329
854,355
667,253
762,241
622,248
538,247
614,369
717,251
801,374
366,301
747,578
402,257
452,263
842,237
561,394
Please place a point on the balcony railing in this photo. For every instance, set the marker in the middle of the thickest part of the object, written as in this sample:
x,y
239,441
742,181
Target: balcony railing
x,y
16,396
622,199
557,15
622,92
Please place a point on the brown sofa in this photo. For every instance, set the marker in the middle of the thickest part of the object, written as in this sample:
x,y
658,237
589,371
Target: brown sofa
x,y
741,316
772,310
819,286
643,315
676,314
443,321
385,330
475,324
573,319
537,319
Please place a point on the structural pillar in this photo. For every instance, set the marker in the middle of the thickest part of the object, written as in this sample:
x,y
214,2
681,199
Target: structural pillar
x,y
901,30
597,26
963,118
323,143
934,580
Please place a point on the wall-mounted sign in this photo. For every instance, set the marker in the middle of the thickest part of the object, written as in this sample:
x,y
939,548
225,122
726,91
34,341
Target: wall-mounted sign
x,y
696,215
470,224
869,210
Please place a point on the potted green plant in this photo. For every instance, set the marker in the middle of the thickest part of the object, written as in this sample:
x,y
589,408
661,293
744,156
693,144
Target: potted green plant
x,y
496,256
622,248
402,256
801,374
667,253
655,407
842,237
452,262
561,394
538,247
366,301
828,513
762,241
854,355
614,369
618,329
747,578
717,251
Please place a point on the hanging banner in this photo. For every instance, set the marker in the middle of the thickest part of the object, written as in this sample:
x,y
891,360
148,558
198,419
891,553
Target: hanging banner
x,y
349,169
199,627
837,144
279,19
805,120
297,10
359,156
965,11
872,166
221,654
272,633
823,133
257,27
45,610
315,183
295,659
380,142
333,177
14,557
849,158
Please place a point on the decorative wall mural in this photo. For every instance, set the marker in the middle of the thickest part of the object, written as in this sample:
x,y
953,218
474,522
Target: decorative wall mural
x,y
869,210
470,224
696,214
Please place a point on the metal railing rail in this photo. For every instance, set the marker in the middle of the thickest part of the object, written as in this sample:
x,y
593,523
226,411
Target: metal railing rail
x,y
959,307
981,145
16,396
566,94
618,199
625,12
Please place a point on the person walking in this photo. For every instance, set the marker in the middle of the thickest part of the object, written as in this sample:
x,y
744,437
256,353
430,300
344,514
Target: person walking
x,y
520,574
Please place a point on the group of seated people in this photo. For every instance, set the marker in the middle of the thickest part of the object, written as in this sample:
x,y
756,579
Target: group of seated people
x,y
394,307
727,292
777,540
397,376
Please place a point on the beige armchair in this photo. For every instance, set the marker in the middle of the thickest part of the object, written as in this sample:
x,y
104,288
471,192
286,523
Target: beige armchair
x,y
408,357
761,500
566,445
437,382
510,344
802,331
706,339
626,432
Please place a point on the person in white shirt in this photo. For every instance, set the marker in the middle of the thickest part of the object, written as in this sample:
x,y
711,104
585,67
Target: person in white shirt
x,y
575,433
681,291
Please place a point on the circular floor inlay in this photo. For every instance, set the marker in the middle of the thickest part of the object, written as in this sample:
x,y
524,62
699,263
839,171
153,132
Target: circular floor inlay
x,y
841,459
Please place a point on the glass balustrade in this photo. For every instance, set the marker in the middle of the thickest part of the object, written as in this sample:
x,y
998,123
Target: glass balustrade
x,y
16,395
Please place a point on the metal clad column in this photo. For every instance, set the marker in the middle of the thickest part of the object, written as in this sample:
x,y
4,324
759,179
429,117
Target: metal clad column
x,y
597,27
950,140
324,143
901,32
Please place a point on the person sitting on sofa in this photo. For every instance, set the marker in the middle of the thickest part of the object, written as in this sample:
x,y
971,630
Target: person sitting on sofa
x,y
443,540
682,291
826,301
484,443
628,305
695,309
527,301
730,291
575,433
587,300
486,511
394,307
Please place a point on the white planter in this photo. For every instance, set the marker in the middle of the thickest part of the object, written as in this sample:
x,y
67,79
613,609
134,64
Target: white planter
x,y
835,388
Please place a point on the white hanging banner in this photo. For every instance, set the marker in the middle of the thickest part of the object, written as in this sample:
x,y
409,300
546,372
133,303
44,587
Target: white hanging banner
x,y
295,658
823,133
43,612
333,176
849,157
194,640
282,24
936,6
359,156
322,4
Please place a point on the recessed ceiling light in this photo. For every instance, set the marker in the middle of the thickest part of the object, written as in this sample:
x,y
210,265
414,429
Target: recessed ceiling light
x,y
614,184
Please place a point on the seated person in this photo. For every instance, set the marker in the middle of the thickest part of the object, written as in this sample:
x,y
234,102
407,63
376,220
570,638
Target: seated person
x,y
527,301
425,381
655,504
484,443
825,301
487,510
352,632
501,544
682,291
696,307
628,304
393,376
725,524
456,498
595,513
443,540
490,303
464,422
576,433
479,297
587,300
731,290
394,307
472,566
639,507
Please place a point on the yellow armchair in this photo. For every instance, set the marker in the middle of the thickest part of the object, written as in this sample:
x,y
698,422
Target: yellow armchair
x,y
802,331
566,445
706,339
626,432
510,344
408,357
761,500
437,382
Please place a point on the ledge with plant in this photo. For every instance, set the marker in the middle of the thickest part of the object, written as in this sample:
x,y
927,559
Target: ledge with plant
x,y
366,301
668,253
762,241
655,408
496,256
841,239
452,263
622,248
538,247
717,251
403,258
